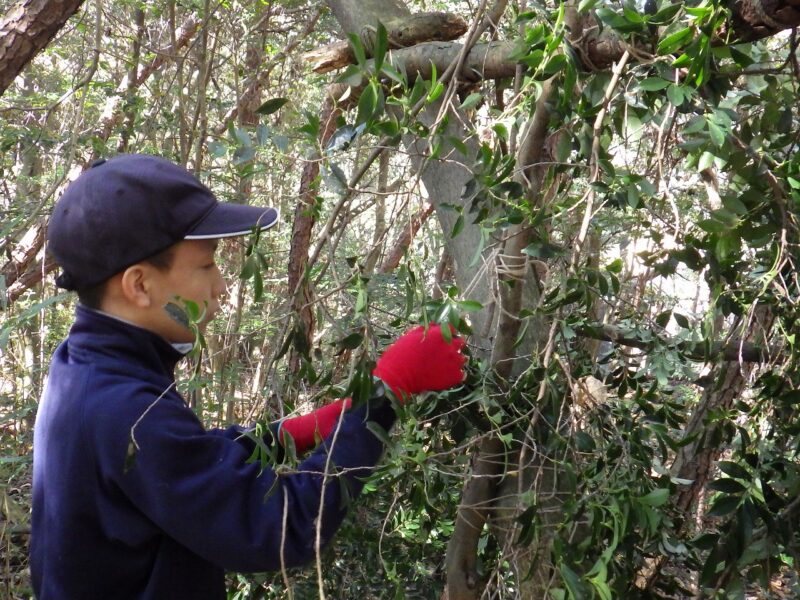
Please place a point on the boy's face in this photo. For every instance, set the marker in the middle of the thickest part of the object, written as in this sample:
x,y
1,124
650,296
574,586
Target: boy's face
x,y
193,275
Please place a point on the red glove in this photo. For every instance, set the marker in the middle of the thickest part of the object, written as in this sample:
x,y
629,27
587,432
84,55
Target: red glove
x,y
305,429
421,361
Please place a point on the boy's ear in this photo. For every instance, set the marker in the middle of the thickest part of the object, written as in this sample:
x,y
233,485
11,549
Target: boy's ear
x,y
134,285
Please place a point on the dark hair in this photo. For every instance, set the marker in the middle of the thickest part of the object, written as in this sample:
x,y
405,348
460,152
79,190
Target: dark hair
x,y
93,297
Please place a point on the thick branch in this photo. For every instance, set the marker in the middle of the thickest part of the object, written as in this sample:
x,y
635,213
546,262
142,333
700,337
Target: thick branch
x,y
484,61
303,225
26,29
183,36
403,241
23,254
29,278
476,499
598,48
419,27
753,20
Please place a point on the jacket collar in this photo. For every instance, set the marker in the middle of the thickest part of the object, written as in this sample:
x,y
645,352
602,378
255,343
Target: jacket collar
x,y
97,335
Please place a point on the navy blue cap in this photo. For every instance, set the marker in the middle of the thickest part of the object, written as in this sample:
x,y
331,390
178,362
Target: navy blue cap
x,y
131,207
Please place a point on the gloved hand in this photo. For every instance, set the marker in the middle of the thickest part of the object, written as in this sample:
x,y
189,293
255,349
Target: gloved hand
x,y
305,428
418,361
421,361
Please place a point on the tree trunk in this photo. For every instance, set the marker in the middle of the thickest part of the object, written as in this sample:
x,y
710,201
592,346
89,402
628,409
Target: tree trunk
x,y
26,29
133,76
695,460
302,226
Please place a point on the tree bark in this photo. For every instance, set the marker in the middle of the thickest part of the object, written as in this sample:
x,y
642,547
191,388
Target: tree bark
x,y
513,273
26,29
403,241
302,226
130,92
419,27
354,16
33,275
695,460
24,254
484,61
753,20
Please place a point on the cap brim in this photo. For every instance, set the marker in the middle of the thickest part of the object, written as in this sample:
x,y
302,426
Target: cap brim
x,y
229,220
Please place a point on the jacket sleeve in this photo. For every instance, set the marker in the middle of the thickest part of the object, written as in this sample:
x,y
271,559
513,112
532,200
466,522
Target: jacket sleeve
x,y
198,488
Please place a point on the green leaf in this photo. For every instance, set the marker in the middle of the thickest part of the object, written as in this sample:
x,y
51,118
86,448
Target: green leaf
x,y
615,266
177,314
663,318
358,48
712,226
379,432
351,76
351,342
666,15
706,160
740,58
217,148
653,84
459,225
249,268
272,105
726,485
381,46
734,470
361,300
543,250
682,321
724,505
470,305
717,134
657,497
674,41
437,90
555,64
472,100
675,95
573,582
367,103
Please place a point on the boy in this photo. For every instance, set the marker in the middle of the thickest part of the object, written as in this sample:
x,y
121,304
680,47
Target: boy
x,y
132,498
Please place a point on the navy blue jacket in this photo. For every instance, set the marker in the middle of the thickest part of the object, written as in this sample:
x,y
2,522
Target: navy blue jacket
x,y
189,507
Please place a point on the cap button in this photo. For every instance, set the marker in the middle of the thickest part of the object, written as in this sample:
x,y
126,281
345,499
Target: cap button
x,y
97,163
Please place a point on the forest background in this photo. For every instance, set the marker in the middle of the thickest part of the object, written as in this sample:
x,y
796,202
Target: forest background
x,y
602,196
